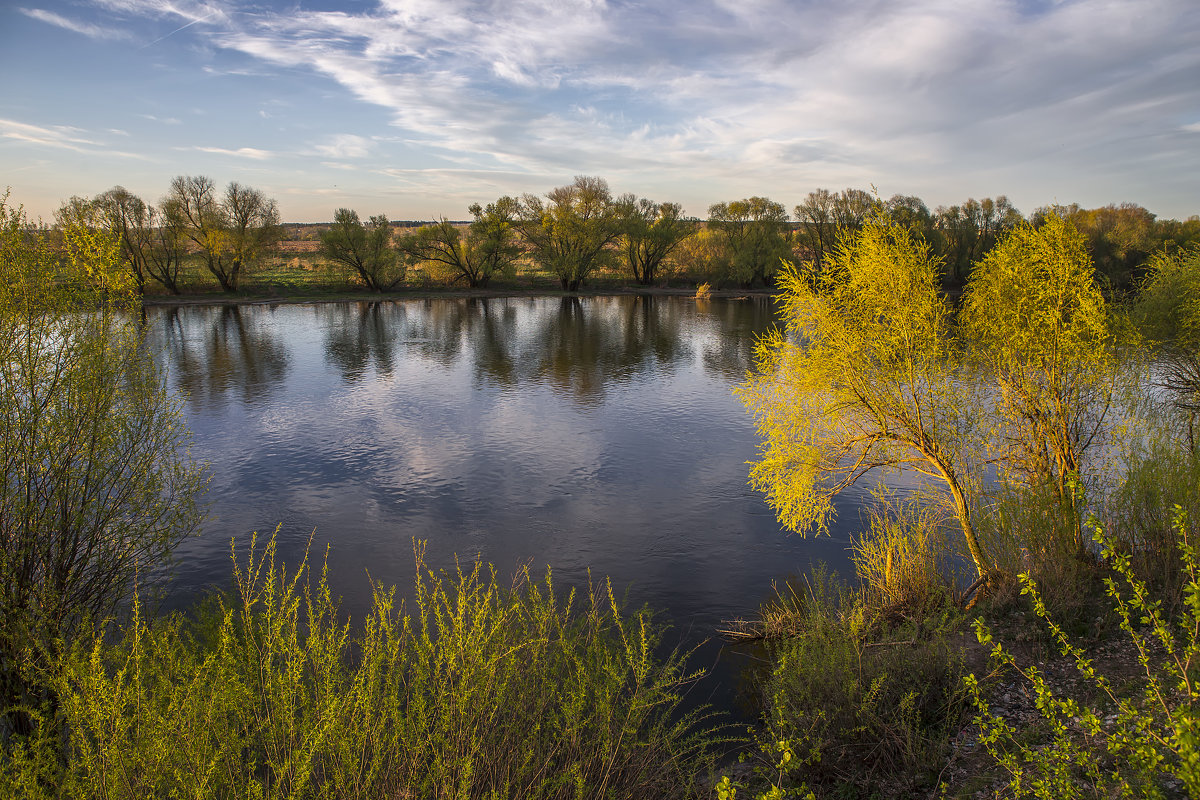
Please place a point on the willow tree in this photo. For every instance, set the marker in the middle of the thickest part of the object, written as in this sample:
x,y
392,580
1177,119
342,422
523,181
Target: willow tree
x,y
652,232
1040,331
572,234
1168,313
367,249
861,380
756,235
231,233
489,248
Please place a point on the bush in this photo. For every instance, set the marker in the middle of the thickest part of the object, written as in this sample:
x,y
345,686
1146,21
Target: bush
x,y
1029,529
1140,514
844,705
97,485
483,691
1134,742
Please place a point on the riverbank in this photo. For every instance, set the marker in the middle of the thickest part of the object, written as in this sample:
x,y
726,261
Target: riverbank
x,y
289,296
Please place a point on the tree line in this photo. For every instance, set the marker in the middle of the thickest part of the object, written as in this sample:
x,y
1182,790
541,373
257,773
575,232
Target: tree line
x,y
582,229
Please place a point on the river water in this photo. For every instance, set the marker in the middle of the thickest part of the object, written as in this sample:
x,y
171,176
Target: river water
x,y
581,434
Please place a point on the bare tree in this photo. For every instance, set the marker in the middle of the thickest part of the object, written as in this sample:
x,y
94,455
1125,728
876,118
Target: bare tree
x,y
150,244
230,233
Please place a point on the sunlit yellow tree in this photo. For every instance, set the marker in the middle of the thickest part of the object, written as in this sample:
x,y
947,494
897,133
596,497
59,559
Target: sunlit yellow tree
x,y
862,379
1040,331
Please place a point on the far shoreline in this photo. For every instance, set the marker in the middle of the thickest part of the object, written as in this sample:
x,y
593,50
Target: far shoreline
x,y
277,297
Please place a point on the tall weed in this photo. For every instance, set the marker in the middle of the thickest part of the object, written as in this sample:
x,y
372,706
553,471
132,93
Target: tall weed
x,y
1140,514
482,691
901,558
1030,530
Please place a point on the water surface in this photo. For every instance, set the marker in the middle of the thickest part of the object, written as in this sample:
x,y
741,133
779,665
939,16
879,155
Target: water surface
x,y
581,434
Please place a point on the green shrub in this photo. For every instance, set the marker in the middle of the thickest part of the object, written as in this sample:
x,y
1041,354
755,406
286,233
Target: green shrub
x,y
482,692
1140,514
846,701
1029,529
1130,743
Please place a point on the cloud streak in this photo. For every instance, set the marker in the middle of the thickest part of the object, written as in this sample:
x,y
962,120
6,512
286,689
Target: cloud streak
x,y
252,153
503,82
61,137
86,29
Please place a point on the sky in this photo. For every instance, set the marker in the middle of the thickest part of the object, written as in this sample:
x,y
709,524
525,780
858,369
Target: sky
x,y
418,108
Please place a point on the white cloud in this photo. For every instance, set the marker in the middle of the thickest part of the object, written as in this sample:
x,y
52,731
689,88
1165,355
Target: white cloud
x,y
85,28
745,96
344,145
166,121
242,152
62,137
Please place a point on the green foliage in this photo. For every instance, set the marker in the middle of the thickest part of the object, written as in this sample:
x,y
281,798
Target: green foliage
x,y
966,233
1029,529
850,702
1119,237
97,487
366,249
861,380
901,558
1128,745
756,234
1168,313
704,256
825,217
481,692
1169,299
231,232
1040,330
571,235
151,244
489,249
1140,513
493,240
652,232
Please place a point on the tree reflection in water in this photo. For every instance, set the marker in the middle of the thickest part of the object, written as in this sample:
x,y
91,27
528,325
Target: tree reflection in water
x,y
358,335
215,352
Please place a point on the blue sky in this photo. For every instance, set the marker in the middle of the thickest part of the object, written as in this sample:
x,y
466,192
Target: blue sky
x,y
417,108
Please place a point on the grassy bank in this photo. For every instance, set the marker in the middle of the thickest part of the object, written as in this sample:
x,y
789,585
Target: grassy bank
x,y
1067,681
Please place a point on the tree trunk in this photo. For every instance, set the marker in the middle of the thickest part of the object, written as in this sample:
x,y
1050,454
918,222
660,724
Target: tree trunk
x,y
963,512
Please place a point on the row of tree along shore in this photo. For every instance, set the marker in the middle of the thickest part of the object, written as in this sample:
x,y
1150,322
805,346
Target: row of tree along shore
x,y
196,235
1053,430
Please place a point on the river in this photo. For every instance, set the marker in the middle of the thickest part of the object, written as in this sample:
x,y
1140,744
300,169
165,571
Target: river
x,y
595,433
